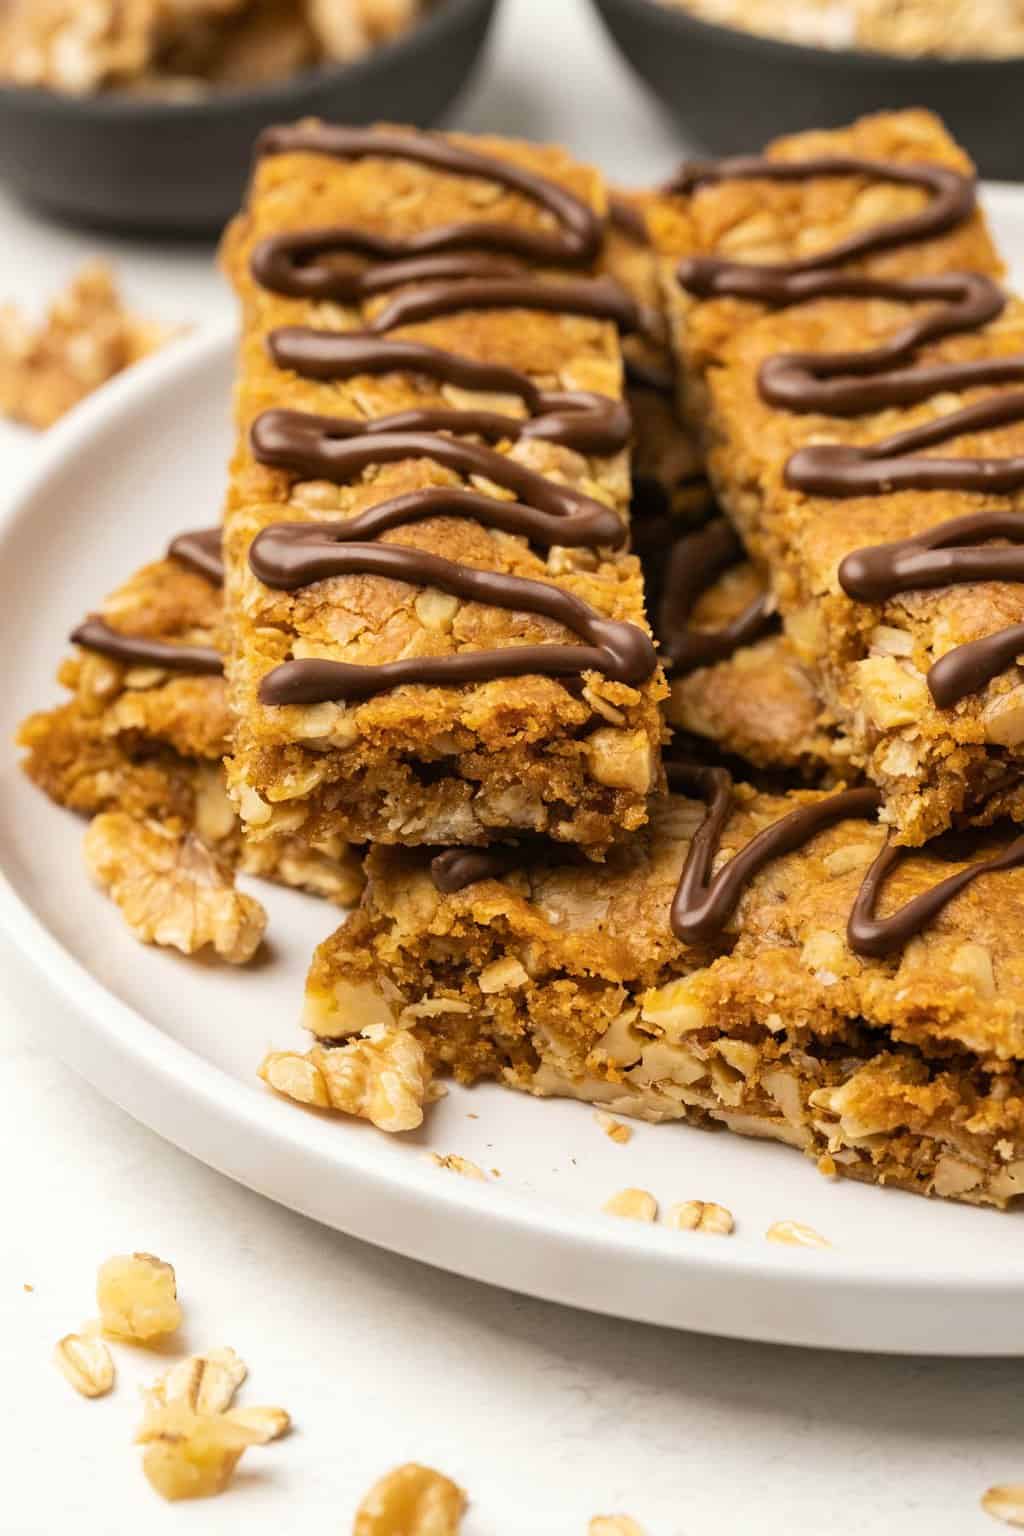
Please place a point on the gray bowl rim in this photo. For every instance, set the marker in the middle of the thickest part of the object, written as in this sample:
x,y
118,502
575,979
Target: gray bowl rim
x,y
689,26
226,100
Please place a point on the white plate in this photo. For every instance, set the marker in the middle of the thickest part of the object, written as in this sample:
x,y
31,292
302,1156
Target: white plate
x,y
177,1043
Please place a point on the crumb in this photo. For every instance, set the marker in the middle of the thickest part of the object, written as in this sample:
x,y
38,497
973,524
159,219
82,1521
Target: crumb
x,y
634,1204
613,1129
1005,1502
456,1164
411,1501
796,1235
28,1287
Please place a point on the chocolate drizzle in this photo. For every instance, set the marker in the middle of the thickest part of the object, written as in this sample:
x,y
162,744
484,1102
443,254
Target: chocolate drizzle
x,y
694,563
201,551
703,902
95,634
292,264
868,934
578,419
616,649
456,868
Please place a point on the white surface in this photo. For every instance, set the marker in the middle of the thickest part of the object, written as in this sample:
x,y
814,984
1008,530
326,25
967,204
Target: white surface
x,y
547,1415
177,1044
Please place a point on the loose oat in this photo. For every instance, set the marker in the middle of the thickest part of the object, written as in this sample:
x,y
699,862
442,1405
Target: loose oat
x,y
265,1423
634,1204
613,1129
796,1235
1005,1502
411,1501
86,1362
138,1298
613,1525
700,1216
207,1383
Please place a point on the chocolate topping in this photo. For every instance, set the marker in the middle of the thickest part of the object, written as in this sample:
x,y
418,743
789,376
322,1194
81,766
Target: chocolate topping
x,y
95,634
627,217
694,563
456,868
944,556
332,448
880,936
967,668
577,419
703,902
844,469
952,201
852,383
618,650
286,265
202,552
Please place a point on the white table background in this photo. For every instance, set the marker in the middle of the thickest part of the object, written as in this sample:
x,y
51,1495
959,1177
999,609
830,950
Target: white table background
x,y
546,1416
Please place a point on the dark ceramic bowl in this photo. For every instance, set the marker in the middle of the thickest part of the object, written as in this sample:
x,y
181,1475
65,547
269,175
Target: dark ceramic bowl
x,y
731,91
179,168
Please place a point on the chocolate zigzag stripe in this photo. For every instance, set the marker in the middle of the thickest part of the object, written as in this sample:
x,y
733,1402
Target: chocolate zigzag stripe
x,y
616,649
703,902
291,263
95,634
578,419
881,936
694,564
332,448
201,551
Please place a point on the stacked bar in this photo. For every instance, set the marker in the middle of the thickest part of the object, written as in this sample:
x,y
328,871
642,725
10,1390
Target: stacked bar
x,y
437,633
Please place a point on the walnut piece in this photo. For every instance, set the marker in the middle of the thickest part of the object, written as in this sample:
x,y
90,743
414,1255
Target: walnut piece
x,y
191,1455
137,1295
382,1076
171,889
1005,1502
87,337
634,1204
86,1362
700,1216
411,1501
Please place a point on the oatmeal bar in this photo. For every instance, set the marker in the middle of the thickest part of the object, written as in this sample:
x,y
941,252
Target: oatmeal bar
x,y
658,990
864,433
736,681
147,725
428,504
668,471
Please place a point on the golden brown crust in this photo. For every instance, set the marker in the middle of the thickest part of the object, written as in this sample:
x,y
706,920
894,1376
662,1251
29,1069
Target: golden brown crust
x,y
935,767
562,978
150,743
423,764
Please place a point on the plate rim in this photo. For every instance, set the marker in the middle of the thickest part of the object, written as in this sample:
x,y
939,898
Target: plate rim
x,y
478,1231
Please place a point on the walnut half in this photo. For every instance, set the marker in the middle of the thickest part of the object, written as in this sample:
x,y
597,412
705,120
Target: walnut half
x,y
171,889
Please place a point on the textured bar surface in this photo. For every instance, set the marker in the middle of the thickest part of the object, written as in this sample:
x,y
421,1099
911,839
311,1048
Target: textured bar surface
x,y
416,763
